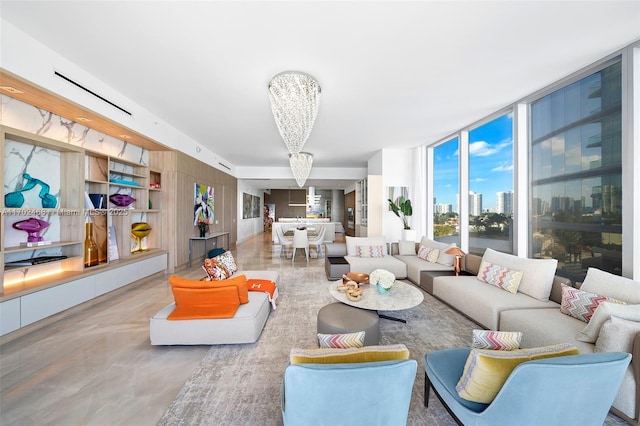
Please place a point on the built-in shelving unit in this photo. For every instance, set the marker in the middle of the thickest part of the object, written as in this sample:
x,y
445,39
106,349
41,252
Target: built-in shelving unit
x,y
37,168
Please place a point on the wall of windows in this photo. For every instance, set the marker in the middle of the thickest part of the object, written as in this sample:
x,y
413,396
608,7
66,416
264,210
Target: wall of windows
x,y
576,175
572,176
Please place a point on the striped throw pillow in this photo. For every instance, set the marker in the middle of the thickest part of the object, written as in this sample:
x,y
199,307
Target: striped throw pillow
x,y
500,276
582,304
496,340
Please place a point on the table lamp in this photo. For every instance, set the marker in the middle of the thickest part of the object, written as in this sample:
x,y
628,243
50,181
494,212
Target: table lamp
x,y
457,253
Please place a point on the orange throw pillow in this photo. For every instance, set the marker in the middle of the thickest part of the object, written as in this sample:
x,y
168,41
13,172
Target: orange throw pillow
x,y
193,303
240,281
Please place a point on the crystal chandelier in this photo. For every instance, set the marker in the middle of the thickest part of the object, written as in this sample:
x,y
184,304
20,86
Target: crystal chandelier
x,y
301,166
295,97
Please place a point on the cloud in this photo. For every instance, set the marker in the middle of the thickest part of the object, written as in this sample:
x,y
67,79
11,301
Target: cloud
x,y
479,180
483,148
503,167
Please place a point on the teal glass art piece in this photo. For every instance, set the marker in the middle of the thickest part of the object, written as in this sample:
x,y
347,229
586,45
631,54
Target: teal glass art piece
x,y
16,199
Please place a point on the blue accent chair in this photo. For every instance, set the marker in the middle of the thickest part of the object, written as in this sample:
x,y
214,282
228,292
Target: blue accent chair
x,y
568,390
371,393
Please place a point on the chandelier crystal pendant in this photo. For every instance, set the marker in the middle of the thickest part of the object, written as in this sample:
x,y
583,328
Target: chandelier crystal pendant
x,y
295,97
301,166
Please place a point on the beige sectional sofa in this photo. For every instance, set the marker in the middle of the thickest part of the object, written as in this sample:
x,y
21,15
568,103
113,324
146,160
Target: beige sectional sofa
x,y
535,311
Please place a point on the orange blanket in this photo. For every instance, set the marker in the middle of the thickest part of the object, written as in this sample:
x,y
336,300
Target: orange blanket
x,y
267,286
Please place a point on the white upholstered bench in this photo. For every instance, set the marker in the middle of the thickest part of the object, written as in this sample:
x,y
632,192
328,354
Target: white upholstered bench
x,y
244,327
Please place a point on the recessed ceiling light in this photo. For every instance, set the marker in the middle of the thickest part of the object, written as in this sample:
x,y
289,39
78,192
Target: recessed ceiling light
x,y
83,119
10,89
125,136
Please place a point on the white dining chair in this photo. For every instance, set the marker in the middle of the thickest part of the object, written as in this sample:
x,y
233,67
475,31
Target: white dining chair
x,y
300,240
318,240
284,241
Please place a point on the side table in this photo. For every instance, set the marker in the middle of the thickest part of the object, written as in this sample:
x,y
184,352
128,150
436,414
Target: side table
x,y
213,236
426,278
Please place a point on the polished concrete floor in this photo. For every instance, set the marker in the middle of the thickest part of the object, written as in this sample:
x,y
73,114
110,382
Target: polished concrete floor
x,y
96,366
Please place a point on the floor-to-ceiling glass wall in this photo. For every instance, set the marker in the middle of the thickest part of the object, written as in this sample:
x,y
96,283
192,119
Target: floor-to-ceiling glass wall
x,y
446,205
576,175
491,186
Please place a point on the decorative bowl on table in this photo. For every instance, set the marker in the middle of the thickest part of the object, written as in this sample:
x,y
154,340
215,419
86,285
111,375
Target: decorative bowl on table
x,y
358,277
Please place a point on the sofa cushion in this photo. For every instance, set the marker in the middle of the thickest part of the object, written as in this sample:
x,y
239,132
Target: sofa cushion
x,y
486,371
617,335
496,340
349,355
406,248
443,257
537,276
369,251
415,265
540,327
341,341
481,301
239,281
196,303
605,311
615,286
353,242
581,304
500,276
430,254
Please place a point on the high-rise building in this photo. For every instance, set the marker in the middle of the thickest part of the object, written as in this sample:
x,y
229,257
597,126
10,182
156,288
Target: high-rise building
x,y
504,202
475,203
442,208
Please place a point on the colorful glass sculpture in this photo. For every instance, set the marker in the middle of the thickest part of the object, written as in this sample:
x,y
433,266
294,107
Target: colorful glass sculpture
x,y
121,200
16,199
139,230
32,227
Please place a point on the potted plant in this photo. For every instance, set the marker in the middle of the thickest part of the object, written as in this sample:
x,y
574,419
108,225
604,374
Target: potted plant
x,y
402,208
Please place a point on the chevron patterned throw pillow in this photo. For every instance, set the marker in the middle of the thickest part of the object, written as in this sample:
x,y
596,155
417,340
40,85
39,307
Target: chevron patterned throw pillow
x,y
500,276
496,340
341,341
582,304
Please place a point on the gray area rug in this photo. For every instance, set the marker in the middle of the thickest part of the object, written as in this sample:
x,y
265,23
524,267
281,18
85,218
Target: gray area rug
x,y
240,384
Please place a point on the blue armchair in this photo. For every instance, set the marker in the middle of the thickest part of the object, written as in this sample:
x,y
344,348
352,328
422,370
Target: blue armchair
x,y
577,389
369,393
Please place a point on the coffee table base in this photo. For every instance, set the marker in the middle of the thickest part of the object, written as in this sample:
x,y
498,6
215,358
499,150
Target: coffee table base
x,y
387,317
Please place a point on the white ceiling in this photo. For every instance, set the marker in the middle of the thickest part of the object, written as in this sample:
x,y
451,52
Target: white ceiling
x,y
393,74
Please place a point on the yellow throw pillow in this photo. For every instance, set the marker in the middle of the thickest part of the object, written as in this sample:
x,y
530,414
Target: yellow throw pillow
x,y
349,355
486,370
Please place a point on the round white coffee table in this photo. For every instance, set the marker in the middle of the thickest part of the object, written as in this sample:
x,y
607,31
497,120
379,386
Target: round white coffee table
x,y
402,296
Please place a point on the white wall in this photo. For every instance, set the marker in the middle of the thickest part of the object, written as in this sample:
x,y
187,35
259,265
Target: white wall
x,y
254,226
397,170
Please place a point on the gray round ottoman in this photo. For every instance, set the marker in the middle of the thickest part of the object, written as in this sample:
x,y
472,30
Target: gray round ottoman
x,y
338,318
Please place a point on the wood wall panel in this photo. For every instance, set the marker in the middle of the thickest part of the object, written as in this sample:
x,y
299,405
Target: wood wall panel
x,y
182,173
281,199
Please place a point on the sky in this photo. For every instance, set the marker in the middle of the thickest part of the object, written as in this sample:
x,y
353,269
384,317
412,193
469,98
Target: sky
x,y
490,163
